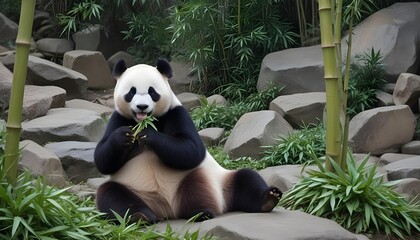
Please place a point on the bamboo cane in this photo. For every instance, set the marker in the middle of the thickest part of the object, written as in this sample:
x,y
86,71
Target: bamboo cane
x,y
333,139
23,43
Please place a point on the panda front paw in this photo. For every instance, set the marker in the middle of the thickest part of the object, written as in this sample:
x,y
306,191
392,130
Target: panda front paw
x,y
123,137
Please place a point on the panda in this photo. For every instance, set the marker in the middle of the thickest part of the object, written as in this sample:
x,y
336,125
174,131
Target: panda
x,y
166,173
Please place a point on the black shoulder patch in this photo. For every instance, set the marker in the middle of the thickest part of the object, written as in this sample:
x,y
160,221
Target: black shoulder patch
x,y
119,69
164,68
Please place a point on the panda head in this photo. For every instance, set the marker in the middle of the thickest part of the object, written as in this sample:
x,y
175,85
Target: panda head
x,y
142,90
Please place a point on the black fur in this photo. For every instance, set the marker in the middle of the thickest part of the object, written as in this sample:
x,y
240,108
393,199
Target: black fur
x,y
129,96
119,69
153,94
164,68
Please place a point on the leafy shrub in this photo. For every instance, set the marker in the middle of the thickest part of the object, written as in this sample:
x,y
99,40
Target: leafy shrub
x,y
366,77
357,199
225,161
212,115
11,9
298,147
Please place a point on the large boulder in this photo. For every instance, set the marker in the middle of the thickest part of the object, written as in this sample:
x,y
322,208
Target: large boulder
x,y
405,168
301,108
298,70
121,55
37,100
84,104
182,79
378,130
54,47
41,162
279,224
93,65
64,124
407,91
8,29
6,78
189,100
212,136
395,32
76,158
254,130
88,38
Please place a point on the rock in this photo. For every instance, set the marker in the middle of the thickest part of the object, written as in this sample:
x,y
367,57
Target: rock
x,y
217,100
8,29
299,70
283,177
409,187
389,88
88,38
405,168
37,100
83,104
407,91
212,136
96,182
279,224
64,124
384,99
377,130
121,55
43,31
6,78
41,162
45,73
388,30
411,148
388,158
189,100
3,49
91,64
300,109
76,158
254,130
40,19
54,47
182,77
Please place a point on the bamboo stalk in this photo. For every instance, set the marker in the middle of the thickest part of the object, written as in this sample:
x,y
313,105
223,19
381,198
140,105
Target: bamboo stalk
x,y
23,43
333,139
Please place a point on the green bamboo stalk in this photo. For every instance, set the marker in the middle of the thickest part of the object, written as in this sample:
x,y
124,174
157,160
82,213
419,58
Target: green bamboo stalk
x,y
23,43
333,139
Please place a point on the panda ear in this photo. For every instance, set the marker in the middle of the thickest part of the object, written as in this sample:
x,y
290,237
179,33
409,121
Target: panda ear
x,y
119,69
164,68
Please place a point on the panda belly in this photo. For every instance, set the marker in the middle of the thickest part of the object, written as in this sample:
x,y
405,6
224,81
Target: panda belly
x,y
157,184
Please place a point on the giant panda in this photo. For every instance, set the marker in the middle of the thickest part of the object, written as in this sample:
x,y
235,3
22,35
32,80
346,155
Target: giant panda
x,y
167,173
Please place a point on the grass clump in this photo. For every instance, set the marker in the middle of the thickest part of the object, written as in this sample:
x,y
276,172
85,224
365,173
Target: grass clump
x,y
298,147
225,161
356,198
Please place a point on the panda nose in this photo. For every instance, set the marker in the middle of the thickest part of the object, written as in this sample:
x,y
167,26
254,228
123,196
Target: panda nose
x,y
142,106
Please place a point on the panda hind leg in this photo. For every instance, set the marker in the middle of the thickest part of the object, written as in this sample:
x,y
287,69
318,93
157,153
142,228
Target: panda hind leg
x,y
114,197
250,193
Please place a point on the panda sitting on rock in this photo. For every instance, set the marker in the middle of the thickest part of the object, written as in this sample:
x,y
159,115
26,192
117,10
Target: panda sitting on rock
x,y
166,173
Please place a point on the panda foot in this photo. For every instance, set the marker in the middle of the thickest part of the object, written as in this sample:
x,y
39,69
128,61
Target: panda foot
x,y
271,198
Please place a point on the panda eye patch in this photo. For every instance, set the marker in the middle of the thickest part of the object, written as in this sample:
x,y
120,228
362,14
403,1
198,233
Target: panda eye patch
x,y
129,96
153,94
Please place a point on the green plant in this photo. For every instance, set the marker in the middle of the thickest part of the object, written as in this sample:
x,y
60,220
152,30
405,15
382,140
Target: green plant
x,y
80,12
225,161
298,147
366,78
11,9
356,198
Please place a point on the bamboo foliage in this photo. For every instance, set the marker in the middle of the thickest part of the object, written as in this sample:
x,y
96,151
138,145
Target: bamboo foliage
x,y
23,43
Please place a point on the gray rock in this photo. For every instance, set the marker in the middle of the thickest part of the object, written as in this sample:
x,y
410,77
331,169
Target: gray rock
x,y
300,109
189,100
182,79
377,130
217,100
254,130
83,104
284,177
388,30
299,70
64,124
388,158
91,64
6,78
121,55
96,182
41,18
41,162
212,136
88,38
409,187
76,158
384,99
411,148
3,49
37,100
405,168
389,88
407,90
279,224
54,46
8,29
